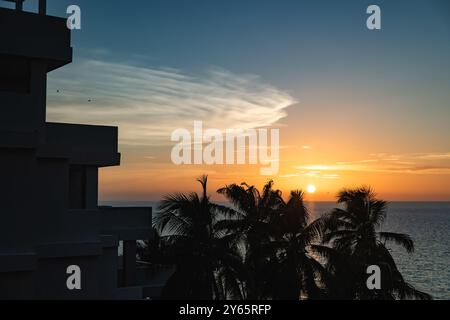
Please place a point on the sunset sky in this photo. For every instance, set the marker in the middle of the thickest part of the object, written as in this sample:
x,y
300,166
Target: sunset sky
x,y
354,107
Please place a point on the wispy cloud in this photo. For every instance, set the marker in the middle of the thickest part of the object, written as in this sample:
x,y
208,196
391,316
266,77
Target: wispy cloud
x,y
435,156
148,104
412,163
314,174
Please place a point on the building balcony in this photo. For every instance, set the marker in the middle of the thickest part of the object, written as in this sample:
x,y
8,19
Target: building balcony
x,y
35,36
82,232
81,144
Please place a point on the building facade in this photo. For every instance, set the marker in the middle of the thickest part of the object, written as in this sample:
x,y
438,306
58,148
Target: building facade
x,y
50,220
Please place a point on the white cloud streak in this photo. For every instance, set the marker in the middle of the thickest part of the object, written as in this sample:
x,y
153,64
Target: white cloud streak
x,y
416,163
148,104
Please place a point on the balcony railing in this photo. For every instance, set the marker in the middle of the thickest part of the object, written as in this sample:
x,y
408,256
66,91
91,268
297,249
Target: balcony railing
x,y
19,5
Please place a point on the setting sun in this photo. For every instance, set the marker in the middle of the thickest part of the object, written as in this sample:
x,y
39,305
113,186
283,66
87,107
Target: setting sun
x,y
311,188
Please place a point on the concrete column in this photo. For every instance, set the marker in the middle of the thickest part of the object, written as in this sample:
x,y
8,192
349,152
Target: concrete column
x,y
38,88
42,7
19,5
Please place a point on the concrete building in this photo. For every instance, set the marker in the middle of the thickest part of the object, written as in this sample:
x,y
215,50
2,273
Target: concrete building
x,y
49,215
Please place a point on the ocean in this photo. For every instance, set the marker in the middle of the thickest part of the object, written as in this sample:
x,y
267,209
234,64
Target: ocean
x,y
428,223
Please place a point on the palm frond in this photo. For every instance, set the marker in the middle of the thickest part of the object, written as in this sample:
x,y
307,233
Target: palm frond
x,y
401,239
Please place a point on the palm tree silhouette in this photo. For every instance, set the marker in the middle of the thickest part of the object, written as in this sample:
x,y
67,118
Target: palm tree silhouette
x,y
355,243
207,266
298,271
263,247
277,237
251,226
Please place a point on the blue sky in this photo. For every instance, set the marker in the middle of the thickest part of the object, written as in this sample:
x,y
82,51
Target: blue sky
x,y
284,41
292,44
310,50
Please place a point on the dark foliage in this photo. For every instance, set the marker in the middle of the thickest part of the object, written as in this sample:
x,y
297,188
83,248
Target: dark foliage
x,y
265,247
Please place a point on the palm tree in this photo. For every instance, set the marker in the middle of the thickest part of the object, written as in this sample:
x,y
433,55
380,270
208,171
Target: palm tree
x,y
298,272
207,266
355,243
276,237
250,225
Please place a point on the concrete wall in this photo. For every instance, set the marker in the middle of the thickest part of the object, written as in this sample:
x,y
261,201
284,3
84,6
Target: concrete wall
x,y
49,218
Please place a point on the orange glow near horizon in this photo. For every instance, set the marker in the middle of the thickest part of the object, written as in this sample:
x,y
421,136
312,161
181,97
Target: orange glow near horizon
x,y
396,166
147,181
